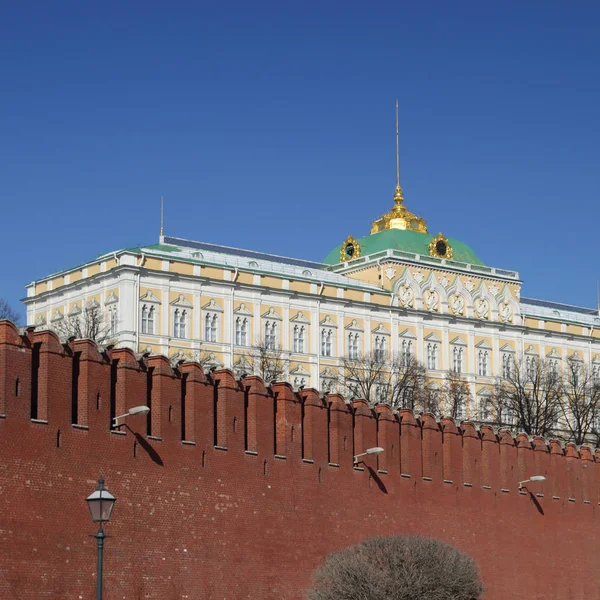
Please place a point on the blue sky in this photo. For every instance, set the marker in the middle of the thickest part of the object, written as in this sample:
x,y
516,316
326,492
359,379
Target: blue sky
x,y
270,126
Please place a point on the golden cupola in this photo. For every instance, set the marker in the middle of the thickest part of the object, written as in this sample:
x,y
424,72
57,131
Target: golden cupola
x,y
399,217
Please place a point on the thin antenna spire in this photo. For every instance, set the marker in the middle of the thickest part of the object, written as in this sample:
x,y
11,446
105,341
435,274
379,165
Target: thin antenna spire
x,y
397,149
598,294
162,216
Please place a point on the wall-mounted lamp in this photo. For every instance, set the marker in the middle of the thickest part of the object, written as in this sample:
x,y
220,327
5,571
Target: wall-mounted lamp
x,y
532,478
376,450
136,410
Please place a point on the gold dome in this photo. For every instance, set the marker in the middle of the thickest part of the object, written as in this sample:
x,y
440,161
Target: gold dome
x,y
399,217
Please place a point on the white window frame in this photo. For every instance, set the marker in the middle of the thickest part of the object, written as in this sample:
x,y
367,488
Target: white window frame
x,y
180,322
242,326
327,341
299,338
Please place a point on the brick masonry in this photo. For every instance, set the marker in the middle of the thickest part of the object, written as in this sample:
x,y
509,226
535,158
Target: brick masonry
x,y
230,490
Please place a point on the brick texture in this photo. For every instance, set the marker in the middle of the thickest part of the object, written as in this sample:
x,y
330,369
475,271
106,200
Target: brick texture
x,y
230,490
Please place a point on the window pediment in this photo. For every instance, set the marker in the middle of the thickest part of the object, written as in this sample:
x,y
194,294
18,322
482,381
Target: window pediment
x,y
381,330
300,318
408,334
111,298
531,351
507,348
432,337
483,345
553,354
271,314
299,370
181,300
212,306
74,311
242,309
149,297
353,326
458,341
328,322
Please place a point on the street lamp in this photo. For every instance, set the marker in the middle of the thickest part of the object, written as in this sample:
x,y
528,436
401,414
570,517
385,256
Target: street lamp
x,y
376,450
532,478
136,410
101,503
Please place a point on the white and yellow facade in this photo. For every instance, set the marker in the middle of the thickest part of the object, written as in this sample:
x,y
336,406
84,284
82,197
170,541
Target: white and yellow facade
x,y
191,301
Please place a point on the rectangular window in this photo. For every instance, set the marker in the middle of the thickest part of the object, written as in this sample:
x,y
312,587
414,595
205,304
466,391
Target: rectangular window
x,y
432,354
148,319
241,331
353,345
211,321
299,338
483,363
270,335
179,323
380,348
326,342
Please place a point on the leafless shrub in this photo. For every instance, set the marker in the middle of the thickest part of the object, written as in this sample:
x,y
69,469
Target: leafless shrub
x,y
397,568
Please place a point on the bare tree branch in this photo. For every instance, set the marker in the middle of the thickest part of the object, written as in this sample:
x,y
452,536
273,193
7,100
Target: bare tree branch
x,y
89,324
7,312
377,378
457,396
580,402
269,361
528,397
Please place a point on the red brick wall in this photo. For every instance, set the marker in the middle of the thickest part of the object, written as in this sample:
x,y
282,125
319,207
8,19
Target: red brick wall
x,y
240,491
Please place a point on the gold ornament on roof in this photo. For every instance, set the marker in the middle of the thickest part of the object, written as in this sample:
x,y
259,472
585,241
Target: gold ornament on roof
x,y
399,217
350,249
440,247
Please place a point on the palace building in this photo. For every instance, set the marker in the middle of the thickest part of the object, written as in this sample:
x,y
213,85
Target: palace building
x,y
398,290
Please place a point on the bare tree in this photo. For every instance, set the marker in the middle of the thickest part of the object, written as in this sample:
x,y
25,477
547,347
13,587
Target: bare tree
x,y
269,361
580,402
365,376
398,381
407,382
398,568
7,312
457,396
89,324
528,397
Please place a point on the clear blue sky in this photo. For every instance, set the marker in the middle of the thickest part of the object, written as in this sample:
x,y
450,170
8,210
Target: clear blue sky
x,y
270,126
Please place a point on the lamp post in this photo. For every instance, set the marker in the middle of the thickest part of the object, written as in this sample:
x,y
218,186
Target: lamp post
x,y
101,503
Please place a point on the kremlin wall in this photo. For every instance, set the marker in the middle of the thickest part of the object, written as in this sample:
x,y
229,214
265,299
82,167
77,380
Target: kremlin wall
x,y
230,490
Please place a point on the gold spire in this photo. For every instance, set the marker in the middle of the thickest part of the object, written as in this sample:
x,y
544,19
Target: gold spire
x,y
162,216
399,217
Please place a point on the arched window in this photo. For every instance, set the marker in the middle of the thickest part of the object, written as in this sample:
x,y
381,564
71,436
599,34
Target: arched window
x,y
432,355
353,345
326,341
380,351
457,359
211,323
299,331
148,312
483,363
405,352
241,331
270,335
179,322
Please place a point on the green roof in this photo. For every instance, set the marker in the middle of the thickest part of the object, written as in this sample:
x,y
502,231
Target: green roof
x,y
408,241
